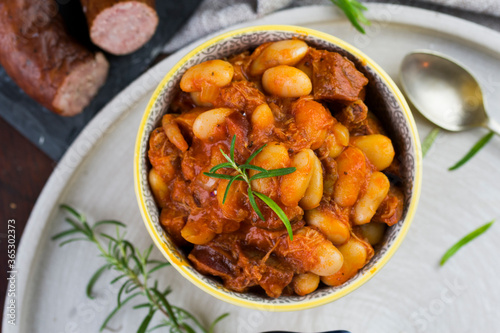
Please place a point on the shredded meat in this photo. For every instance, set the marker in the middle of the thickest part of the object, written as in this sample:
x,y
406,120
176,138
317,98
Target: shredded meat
x,y
353,115
391,209
241,268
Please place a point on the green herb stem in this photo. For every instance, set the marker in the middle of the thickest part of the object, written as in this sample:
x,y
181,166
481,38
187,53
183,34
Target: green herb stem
x,y
243,176
473,151
466,239
353,10
429,140
135,268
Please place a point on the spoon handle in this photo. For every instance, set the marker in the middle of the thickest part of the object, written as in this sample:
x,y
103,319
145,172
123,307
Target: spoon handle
x,y
493,126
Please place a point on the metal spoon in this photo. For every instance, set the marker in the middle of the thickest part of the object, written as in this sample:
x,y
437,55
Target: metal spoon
x,y
444,92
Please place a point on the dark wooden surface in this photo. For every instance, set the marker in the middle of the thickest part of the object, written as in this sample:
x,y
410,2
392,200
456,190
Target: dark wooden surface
x,y
24,169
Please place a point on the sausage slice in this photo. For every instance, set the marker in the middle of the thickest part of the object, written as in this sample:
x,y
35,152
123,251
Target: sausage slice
x,y
120,26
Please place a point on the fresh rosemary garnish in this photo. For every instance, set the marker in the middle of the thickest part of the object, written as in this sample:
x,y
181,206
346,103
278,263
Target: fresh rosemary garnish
x,y
474,234
473,151
134,270
242,176
429,140
354,11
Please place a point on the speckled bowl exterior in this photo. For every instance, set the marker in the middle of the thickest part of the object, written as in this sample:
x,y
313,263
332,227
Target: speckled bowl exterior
x,y
383,98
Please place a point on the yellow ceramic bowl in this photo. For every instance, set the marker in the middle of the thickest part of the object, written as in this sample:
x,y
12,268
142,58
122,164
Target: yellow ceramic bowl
x,y
383,98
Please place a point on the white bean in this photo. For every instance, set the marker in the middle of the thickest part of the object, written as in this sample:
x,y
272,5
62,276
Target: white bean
x,y
196,97
159,188
262,118
197,232
286,81
351,166
207,124
373,232
217,73
367,204
377,148
332,226
285,52
173,132
304,284
329,259
355,253
294,185
314,191
336,141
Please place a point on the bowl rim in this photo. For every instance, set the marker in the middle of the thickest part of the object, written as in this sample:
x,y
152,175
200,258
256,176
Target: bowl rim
x,y
309,303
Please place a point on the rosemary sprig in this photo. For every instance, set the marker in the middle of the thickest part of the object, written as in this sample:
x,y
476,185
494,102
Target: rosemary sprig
x,y
466,239
354,11
473,151
243,176
134,269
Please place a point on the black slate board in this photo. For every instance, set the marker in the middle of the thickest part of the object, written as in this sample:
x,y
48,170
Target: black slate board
x,y
52,133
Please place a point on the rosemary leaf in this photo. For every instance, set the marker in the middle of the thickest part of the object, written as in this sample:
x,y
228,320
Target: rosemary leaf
x,y
73,240
251,198
131,288
93,280
218,175
160,266
73,212
74,224
189,316
273,173
128,245
354,12
227,157
111,238
220,166
473,151
146,321
228,186
147,253
466,239
231,150
140,306
255,153
188,328
110,222
65,233
120,292
165,303
165,324
277,209
429,140
216,321
115,310
243,167
117,279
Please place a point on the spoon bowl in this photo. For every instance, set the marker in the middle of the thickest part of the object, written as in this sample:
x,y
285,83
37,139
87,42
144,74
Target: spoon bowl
x,y
444,92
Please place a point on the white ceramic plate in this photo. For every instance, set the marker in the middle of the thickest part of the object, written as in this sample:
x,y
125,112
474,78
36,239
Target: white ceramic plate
x,y
411,294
